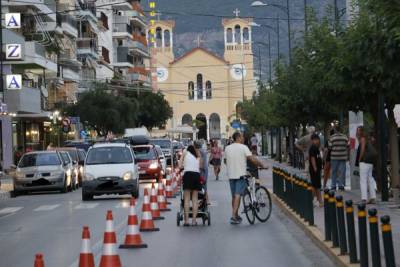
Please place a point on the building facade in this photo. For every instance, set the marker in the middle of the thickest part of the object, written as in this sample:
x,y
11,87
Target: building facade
x,y
204,88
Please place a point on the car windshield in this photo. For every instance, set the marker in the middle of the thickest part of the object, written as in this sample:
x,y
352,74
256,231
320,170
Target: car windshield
x,y
109,155
163,143
177,145
144,153
40,159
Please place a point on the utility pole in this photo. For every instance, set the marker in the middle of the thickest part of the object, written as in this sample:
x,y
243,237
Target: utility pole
x,y
259,62
1,57
289,31
305,18
269,56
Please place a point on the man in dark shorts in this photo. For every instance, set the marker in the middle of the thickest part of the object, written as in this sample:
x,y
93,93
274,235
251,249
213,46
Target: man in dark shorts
x,y
315,167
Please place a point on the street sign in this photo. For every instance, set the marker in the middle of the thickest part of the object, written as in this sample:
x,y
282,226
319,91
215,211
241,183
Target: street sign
x,y
3,108
14,81
235,124
13,51
13,20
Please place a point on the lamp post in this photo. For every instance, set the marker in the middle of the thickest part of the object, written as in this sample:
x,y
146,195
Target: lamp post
x,y
287,11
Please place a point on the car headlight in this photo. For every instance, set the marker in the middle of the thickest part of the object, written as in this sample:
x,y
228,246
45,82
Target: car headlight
x,y
81,170
69,172
88,176
127,176
153,165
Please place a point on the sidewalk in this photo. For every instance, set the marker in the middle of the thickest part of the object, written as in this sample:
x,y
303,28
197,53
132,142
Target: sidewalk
x,y
384,208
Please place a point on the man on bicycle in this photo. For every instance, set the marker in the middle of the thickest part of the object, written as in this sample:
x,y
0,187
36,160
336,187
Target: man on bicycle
x,y
236,156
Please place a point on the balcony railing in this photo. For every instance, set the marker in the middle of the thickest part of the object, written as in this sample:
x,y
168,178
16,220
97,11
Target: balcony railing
x,y
139,38
66,18
123,55
90,6
139,70
122,28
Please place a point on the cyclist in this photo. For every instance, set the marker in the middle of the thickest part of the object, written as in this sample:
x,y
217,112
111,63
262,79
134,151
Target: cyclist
x,y
236,156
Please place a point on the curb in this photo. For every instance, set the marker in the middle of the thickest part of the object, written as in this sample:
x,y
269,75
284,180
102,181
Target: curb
x,y
314,234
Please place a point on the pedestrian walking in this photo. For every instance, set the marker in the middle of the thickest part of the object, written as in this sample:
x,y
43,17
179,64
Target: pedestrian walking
x,y
327,160
315,168
304,144
190,162
215,158
236,156
339,145
366,157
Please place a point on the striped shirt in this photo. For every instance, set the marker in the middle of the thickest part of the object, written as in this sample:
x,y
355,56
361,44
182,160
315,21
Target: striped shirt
x,y
339,146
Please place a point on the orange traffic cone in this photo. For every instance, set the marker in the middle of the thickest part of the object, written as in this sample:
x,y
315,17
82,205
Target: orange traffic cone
x,y
147,224
110,257
162,202
39,262
155,210
86,258
133,238
168,189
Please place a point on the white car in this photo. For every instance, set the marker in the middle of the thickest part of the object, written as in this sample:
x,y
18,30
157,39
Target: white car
x,y
110,168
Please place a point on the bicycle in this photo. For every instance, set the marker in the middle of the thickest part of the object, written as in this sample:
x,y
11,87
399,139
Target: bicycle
x,y
256,201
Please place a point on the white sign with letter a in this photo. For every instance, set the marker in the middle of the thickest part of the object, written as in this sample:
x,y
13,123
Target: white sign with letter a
x,y
14,82
13,20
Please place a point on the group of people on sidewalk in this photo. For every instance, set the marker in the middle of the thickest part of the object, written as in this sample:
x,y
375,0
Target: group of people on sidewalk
x,y
332,159
194,165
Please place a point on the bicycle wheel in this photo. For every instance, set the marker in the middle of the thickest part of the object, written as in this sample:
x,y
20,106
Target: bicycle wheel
x,y
248,207
263,204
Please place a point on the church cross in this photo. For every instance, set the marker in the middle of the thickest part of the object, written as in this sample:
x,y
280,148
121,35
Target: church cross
x,y
198,40
236,12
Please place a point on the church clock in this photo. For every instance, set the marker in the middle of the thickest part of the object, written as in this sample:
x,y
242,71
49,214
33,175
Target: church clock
x,y
236,71
162,74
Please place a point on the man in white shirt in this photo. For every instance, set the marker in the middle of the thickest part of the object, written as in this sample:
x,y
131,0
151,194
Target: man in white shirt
x,y
236,156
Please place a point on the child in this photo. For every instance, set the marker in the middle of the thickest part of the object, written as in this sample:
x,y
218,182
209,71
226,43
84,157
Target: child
x,y
315,167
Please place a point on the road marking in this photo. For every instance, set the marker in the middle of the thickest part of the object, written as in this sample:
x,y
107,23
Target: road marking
x,y
82,206
10,210
47,207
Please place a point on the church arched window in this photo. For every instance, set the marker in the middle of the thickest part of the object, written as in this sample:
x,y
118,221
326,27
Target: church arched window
x,y
167,36
199,86
208,90
246,35
191,90
237,34
229,35
159,37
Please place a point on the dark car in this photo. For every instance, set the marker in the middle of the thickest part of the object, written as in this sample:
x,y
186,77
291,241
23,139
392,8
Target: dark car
x,y
149,164
166,147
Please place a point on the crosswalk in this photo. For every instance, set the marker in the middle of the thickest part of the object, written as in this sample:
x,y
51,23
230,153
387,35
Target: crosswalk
x,y
6,211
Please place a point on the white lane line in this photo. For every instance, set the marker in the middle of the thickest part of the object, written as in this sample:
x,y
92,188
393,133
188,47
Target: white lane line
x,y
82,206
47,207
10,210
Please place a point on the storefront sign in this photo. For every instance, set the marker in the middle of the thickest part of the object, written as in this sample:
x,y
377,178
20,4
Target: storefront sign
x,y
13,51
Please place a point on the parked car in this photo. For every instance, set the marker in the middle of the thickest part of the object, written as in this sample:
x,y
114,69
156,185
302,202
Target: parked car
x,y
163,160
166,147
71,169
42,170
149,164
78,159
110,168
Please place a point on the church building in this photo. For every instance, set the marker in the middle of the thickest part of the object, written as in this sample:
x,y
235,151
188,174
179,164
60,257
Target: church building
x,y
204,88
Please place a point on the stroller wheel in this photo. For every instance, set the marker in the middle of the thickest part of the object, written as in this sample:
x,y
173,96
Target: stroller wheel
x,y
178,219
209,218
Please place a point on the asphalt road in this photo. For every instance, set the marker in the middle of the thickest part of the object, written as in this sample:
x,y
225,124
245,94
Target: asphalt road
x,y
52,224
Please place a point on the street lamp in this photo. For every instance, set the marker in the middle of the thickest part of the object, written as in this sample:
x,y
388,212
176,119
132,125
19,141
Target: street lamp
x,y
287,11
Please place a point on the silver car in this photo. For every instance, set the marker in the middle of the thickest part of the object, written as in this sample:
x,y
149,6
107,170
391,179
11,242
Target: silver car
x,y
43,170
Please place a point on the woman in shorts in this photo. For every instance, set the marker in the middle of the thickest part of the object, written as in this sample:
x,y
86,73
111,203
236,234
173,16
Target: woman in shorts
x,y
215,158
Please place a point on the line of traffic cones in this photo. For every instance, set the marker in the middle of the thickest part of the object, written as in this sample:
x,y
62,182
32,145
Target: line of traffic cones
x,y
152,205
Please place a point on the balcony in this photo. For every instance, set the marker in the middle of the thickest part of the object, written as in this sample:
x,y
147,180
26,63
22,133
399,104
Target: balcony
x,y
87,47
141,69
69,25
70,74
121,27
124,59
45,7
26,100
137,47
88,11
139,38
138,18
119,5
34,55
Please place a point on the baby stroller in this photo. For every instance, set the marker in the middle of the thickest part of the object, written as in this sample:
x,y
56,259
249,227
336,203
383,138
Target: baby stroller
x,y
203,211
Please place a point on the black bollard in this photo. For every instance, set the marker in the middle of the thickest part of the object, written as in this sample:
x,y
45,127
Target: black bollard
x,y
341,225
310,206
327,219
351,233
388,241
332,206
374,238
362,235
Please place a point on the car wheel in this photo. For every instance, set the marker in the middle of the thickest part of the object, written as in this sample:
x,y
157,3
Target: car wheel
x,y
135,194
65,188
86,197
14,194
